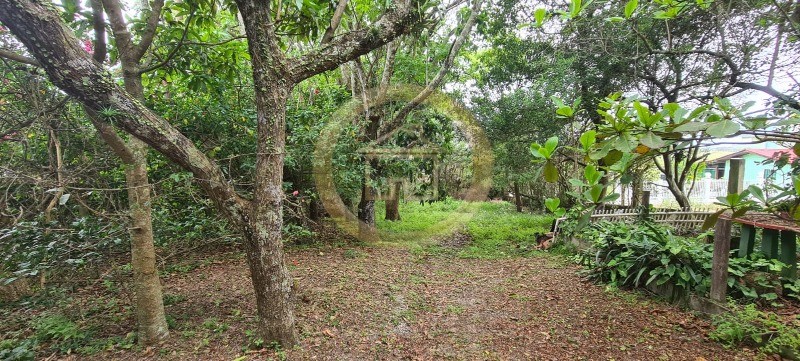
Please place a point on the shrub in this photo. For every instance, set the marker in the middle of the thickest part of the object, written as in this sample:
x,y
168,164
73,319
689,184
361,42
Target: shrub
x,y
30,248
635,255
749,326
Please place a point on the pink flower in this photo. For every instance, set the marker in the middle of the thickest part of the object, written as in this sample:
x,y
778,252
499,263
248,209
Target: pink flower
x,y
295,193
88,46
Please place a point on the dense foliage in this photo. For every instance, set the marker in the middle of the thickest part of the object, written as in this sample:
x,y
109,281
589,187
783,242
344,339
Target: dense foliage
x,y
642,254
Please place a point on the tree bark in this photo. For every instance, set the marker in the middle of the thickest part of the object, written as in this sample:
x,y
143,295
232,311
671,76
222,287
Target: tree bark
x,y
152,322
271,279
70,68
517,197
393,203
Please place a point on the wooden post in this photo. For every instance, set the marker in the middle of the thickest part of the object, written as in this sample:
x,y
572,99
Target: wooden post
x,y
719,267
722,237
747,240
769,243
736,176
646,204
789,253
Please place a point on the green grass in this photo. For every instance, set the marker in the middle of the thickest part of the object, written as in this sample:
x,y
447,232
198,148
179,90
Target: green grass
x,y
496,228
419,224
499,231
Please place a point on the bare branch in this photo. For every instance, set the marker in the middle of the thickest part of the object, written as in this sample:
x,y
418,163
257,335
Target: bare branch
x,y
10,55
149,32
335,21
393,23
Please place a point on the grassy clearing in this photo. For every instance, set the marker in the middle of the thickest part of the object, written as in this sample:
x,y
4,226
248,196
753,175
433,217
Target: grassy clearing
x,y
496,229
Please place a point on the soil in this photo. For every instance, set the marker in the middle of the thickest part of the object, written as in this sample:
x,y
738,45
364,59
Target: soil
x,y
394,304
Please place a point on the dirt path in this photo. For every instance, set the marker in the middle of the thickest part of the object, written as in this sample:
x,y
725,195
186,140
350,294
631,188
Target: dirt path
x,y
390,304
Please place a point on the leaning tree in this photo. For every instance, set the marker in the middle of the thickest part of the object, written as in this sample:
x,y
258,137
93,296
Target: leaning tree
x,y
276,71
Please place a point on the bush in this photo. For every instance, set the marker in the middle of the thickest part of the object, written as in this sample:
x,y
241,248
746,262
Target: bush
x,y
635,255
30,248
64,334
749,326
13,350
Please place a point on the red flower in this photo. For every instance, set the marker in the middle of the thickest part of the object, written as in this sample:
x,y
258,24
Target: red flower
x,y
295,193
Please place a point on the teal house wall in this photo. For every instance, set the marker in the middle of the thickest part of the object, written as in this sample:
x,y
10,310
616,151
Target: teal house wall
x,y
754,170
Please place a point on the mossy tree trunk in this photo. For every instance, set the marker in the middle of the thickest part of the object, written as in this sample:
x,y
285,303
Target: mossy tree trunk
x,y
56,49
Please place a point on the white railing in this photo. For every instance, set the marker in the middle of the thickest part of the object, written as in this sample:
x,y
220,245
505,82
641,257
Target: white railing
x,y
704,192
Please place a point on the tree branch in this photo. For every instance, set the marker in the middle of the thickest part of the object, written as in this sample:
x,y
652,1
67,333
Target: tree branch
x,y
177,47
10,55
99,27
150,28
393,23
335,21
399,118
70,68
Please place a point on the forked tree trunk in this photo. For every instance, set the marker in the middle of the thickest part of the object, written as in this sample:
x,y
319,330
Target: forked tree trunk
x,y
56,49
680,195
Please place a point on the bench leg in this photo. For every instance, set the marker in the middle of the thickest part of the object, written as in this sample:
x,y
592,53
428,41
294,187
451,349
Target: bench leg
x,y
789,253
747,240
769,243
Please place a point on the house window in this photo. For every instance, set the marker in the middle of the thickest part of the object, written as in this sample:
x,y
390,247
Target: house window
x,y
717,171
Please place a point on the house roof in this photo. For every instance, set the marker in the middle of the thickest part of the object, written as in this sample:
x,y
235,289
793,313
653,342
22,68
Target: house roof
x,y
764,153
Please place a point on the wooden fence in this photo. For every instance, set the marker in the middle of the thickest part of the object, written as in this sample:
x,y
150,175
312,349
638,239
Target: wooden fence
x,y
682,220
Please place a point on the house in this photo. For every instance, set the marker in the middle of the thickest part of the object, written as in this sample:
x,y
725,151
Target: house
x,y
755,171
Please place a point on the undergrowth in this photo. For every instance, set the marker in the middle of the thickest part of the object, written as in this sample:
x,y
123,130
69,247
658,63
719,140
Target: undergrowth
x,y
496,230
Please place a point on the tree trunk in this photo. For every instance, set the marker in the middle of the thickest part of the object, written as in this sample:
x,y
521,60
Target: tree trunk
x,y
678,193
517,197
393,203
40,28
150,314
263,230
149,299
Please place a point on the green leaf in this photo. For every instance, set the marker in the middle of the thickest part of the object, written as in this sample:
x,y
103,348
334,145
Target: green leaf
x,y
565,111
552,204
712,220
588,139
539,15
550,172
535,147
591,174
652,140
551,144
612,157
691,127
758,193
630,7
723,128
610,198
595,192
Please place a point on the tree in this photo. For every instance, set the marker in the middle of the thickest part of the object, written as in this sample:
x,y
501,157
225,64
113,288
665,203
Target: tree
x,y
258,219
382,124
151,320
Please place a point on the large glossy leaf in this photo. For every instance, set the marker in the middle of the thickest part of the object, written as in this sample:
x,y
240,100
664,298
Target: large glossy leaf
x,y
652,140
630,7
550,172
723,128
